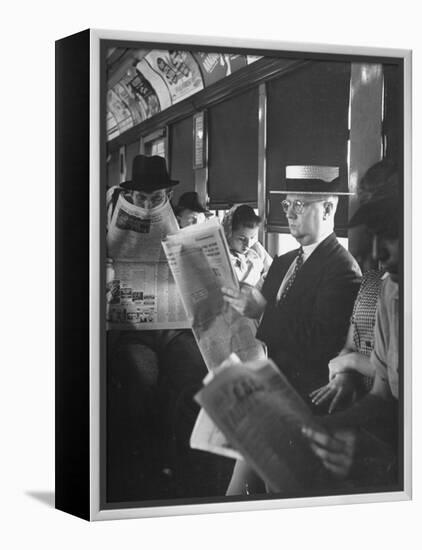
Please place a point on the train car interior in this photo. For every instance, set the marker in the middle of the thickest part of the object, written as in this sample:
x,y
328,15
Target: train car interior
x,y
227,124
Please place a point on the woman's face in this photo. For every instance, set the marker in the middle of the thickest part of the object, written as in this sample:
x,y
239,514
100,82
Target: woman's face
x,y
387,252
243,238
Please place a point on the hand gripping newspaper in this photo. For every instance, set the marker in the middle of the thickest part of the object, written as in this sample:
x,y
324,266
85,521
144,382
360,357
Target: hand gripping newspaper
x,y
261,417
141,292
199,258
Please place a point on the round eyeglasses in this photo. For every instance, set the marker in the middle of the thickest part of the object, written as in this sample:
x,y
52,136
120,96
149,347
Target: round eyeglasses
x,y
297,205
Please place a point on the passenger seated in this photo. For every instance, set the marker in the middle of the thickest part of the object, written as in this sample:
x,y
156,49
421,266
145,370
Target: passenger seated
x,y
249,258
151,378
351,373
189,210
362,440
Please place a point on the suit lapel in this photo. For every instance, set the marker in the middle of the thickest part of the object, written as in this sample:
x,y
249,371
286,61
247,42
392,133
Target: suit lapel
x,y
310,270
277,272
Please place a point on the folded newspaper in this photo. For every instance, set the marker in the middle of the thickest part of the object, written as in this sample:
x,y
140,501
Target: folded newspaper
x,y
141,294
261,416
135,233
199,259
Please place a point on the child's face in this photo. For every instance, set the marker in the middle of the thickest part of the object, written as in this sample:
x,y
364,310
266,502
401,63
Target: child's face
x,y
243,238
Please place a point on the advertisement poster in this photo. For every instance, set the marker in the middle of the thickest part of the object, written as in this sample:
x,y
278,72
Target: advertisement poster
x,y
120,111
142,92
174,74
129,99
215,66
112,126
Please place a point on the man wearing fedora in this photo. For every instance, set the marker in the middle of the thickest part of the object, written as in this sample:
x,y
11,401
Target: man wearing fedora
x,y
148,372
149,187
307,297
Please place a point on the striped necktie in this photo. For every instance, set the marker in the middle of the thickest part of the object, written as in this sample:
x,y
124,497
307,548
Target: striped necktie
x,y
298,265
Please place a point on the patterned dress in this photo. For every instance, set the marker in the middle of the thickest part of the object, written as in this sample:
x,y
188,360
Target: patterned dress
x,y
363,316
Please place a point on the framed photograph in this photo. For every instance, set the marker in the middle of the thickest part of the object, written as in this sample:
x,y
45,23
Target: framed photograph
x,y
233,274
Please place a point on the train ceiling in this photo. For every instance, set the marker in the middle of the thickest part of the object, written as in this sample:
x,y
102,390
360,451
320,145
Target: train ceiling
x,y
142,83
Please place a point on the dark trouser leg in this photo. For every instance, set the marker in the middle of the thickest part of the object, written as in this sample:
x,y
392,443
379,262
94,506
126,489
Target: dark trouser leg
x,y
198,473
132,415
376,465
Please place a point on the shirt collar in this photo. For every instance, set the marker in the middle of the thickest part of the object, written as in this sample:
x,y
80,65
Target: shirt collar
x,y
309,248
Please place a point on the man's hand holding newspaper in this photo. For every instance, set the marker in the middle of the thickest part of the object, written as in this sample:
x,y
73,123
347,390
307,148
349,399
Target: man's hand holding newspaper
x,y
199,259
262,418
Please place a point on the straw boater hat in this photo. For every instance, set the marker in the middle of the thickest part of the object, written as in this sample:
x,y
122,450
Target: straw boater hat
x,y
149,174
314,180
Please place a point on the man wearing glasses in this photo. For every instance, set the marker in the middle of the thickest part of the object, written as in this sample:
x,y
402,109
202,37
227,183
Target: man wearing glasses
x,y
308,295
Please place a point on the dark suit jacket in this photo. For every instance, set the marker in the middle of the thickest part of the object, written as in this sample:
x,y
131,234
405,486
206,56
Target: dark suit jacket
x,y
310,326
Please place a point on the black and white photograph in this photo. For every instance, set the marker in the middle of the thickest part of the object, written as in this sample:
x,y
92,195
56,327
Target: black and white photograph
x,y
252,268
222,244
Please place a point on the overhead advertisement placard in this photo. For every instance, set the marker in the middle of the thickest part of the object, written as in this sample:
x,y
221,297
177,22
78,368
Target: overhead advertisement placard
x,y
174,75
215,66
120,111
112,126
128,98
142,92
161,79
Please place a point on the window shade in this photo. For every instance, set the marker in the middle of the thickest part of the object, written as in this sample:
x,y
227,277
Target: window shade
x,y
233,150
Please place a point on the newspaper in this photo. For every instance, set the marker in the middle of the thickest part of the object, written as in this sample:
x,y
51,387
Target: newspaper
x,y
199,259
136,233
205,434
141,293
261,416
144,296
207,437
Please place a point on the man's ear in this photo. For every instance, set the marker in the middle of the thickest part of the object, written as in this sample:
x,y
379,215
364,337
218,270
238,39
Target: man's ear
x,y
328,209
169,193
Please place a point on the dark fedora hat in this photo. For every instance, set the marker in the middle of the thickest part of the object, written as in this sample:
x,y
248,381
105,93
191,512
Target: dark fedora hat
x,y
314,180
380,215
379,197
190,201
148,174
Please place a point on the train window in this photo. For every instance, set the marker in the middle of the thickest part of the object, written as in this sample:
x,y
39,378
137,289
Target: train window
x,y
156,147
154,143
